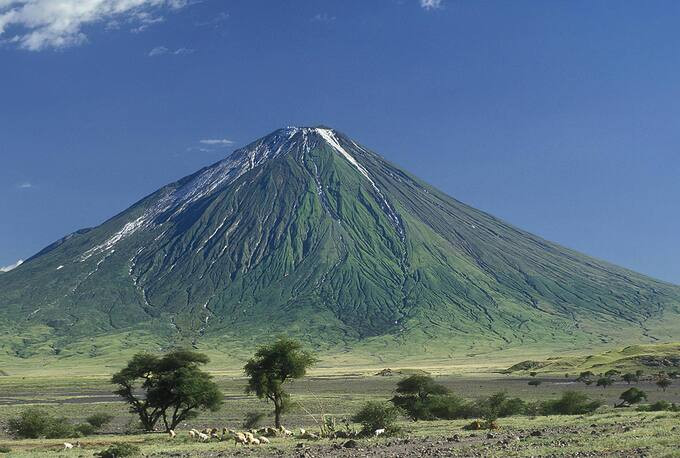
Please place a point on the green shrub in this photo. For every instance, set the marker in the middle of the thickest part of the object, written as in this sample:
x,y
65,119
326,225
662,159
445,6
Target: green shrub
x,y
660,406
571,403
35,423
499,405
98,420
119,450
377,415
253,420
85,429
449,407
5,449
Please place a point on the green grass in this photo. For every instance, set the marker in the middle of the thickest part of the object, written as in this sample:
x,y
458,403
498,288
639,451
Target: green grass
x,y
649,358
77,397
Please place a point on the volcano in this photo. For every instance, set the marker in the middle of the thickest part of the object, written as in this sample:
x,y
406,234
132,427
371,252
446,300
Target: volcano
x,y
306,232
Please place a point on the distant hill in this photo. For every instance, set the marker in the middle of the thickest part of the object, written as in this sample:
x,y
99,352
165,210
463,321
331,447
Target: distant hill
x,y
651,358
305,232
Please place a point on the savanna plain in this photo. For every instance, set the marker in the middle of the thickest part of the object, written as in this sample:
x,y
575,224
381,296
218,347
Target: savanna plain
x,y
331,397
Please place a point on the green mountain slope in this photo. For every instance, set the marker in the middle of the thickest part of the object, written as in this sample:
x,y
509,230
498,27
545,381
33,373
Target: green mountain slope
x,y
308,233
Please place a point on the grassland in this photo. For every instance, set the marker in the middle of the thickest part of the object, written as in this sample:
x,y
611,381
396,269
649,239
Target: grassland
x,y
610,432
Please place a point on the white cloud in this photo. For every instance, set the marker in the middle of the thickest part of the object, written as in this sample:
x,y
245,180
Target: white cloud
x,y
431,4
25,185
40,24
322,17
158,51
217,142
13,266
162,50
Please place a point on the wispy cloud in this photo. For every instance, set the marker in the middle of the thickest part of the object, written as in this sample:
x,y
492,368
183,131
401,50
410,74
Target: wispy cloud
x,y
12,266
25,185
42,24
217,142
432,4
322,17
162,50
215,21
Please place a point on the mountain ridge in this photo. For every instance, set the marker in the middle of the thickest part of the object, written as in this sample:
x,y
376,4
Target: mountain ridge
x,y
308,232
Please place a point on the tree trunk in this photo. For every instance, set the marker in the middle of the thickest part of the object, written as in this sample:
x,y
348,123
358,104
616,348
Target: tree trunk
x,y
277,413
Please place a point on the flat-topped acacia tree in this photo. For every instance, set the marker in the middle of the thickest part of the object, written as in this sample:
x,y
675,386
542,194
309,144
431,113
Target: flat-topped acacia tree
x,y
174,386
272,366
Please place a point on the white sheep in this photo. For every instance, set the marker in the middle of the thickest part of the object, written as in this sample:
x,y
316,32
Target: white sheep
x,y
240,438
379,432
204,437
172,433
263,439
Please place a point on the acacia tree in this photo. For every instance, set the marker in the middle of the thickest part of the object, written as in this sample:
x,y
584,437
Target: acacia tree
x,y
663,383
174,388
632,396
271,367
604,382
630,377
414,396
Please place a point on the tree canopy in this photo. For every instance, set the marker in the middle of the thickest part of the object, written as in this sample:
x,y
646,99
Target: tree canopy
x,y
632,396
272,366
174,386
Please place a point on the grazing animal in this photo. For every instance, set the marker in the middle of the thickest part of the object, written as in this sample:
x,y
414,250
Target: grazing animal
x,y
240,438
192,434
286,432
69,446
379,432
263,439
204,437
172,433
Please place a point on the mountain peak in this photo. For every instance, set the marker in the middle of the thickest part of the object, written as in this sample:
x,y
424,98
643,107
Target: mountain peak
x,y
306,231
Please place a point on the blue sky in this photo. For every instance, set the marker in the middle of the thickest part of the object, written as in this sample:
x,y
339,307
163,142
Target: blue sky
x,y
561,117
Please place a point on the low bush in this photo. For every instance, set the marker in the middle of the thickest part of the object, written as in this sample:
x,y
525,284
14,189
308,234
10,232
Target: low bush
x,y
571,403
99,420
498,405
376,415
84,429
660,406
5,449
253,420
119,450
35,423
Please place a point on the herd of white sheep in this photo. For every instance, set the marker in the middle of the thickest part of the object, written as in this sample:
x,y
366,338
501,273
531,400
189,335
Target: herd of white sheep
x,y
252,437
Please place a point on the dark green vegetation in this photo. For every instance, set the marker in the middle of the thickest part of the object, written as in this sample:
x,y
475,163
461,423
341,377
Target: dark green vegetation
x,y
375,415
174,387
35,423
307,231
120,450
274,365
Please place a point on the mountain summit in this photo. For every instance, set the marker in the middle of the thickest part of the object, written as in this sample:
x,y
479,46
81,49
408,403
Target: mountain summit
x,y
306,232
